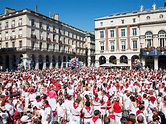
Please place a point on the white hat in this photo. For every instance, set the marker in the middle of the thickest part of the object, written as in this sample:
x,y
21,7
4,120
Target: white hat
x,y
25,118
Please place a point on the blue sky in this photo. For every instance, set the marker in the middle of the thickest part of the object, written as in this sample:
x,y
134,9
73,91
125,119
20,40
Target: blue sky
x,y
80,13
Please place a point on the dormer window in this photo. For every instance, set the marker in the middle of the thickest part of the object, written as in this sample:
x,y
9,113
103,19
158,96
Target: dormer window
x,y
161,16
148,17
101,23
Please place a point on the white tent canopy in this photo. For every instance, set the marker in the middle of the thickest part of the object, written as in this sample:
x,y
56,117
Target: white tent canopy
x,y
114,65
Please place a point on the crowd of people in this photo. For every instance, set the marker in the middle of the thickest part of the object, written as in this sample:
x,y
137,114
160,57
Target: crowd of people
x,y
88,95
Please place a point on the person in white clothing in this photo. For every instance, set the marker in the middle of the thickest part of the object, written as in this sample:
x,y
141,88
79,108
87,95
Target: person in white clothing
x,y
96,118
87,111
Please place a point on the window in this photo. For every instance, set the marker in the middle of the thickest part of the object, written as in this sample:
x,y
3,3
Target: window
x,y
41,25
7,24
7,35
122,32
13,44
101,23
123,43
13,23
47,46
0,26
0,36
13,34
41,35
111,33
134,44
134,20
122,21
148,17
102,46
33,31
20,22
20,44
33,45
101,34
48,27
40,46
6,44
134,31
162,37
33,22
149,39
20,32
161,16
111,22
112,46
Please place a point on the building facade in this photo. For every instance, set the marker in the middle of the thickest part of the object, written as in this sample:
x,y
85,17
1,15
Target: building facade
x,y
38,41
126,37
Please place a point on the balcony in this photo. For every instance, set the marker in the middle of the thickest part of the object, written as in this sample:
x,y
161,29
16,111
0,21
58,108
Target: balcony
x,y
6,38
19,24
13,37
54,30
13,26
152,51
48,39
60,42
54,40
33,36
20,36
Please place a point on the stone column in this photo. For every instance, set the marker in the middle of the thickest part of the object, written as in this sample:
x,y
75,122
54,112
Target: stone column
x,y
129,63
89,60
155,63
50,62
37,62
143,62
44,63
61,61
26,61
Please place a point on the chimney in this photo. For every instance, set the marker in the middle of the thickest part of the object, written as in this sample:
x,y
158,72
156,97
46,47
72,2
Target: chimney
x,y
141,8
154,6
9,10
56,16
36,8
165,4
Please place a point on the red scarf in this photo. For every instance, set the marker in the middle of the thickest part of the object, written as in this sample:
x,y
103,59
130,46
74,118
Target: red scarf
x,y
96,99
94,118
88,108
112,117
139,112
47,106
75,105
164,103
38,100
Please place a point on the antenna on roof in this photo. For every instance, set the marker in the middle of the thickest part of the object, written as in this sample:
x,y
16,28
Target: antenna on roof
x,y
36,8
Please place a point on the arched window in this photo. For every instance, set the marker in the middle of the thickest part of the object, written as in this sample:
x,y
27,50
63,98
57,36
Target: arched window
x,y
149,39
148,17
161,16
161,38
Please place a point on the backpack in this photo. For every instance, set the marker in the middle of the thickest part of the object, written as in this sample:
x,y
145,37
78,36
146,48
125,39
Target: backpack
x,y
162,116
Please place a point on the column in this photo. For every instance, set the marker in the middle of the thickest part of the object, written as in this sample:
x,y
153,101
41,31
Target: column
x,y
143,62
44,63
97,63
62,62
118,61
89,61
129,63
56,65
10,62
26,61
155,63
37,62
50,62
107,60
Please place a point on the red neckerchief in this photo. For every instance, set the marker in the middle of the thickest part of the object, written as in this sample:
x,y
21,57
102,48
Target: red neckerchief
x,y
96,99
128,122
164,91
75,105
47,106
164,103
94,118
88,108
112,117
139,112
38,100
102,103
